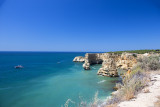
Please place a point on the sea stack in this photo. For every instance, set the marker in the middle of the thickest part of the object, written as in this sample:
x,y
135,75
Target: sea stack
x,y
79,59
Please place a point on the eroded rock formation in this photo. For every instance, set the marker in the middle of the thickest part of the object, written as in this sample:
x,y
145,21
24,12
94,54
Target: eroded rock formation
x,y
92,58
110,62
79,59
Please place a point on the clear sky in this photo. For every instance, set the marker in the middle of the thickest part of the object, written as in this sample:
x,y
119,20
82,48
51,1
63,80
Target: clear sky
x,y
79,25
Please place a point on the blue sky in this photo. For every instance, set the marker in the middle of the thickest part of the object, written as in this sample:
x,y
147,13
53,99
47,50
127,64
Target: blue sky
x,y
79,25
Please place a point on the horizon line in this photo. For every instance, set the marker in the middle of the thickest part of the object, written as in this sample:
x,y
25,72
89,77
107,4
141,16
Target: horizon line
x,y
53,51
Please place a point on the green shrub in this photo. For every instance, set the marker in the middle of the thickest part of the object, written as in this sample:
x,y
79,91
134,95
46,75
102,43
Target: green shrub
x,y
136,69
135,55
150,63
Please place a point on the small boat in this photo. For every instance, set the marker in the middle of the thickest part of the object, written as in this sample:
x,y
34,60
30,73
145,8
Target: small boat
x,y
19,66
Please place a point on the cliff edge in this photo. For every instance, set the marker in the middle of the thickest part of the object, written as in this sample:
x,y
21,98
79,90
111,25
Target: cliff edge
x,y
111,62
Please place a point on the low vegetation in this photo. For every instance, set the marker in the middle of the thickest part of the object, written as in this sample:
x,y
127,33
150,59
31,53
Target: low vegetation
x,y
130,86
134,82
137,51
149,63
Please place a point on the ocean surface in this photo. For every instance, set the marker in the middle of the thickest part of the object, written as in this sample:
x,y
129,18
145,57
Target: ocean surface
x,y
49,79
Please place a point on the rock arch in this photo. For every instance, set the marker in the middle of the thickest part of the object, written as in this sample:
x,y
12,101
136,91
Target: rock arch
x,y
110,62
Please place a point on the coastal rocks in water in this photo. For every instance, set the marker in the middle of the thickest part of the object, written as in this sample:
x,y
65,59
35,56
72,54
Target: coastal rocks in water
x,y
86,66
79,59
92,58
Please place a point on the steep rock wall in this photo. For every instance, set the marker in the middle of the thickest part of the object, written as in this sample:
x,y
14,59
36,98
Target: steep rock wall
x,y
92,58
110,62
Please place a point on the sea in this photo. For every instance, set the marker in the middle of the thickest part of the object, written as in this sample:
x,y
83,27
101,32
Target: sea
x,y
49,79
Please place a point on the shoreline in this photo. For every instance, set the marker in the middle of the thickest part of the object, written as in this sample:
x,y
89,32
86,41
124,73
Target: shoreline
x,y
146,98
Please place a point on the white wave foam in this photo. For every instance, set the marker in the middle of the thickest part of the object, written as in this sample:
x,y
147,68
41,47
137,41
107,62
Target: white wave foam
x,y
93,67
101,81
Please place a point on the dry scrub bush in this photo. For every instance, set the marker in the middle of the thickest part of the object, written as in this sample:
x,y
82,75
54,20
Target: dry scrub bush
x,y
133,84
95,102
115,99
138,78
150,63
130,86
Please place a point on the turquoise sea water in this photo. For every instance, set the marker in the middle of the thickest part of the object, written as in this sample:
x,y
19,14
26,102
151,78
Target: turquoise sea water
x,y
48,79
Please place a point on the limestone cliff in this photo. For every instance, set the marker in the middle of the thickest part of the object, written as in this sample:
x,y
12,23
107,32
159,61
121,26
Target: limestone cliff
x,y
92,58
110,62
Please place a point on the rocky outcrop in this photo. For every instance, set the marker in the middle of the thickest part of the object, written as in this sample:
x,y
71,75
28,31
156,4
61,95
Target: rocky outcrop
x,y
86,66
110,62
93,58
79,59
109,67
